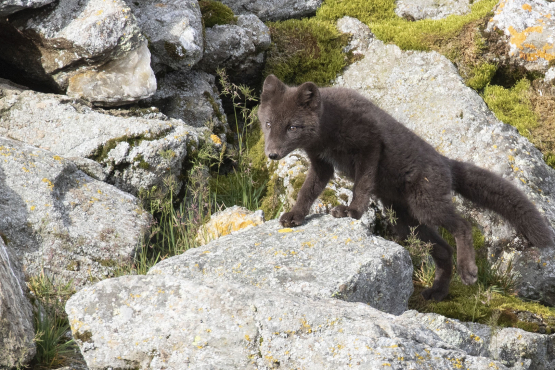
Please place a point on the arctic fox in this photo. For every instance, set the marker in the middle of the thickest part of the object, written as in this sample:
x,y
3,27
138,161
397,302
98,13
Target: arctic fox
x,y
340,129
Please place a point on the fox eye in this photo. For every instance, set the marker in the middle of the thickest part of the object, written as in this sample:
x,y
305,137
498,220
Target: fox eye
x,y
268,125
292,128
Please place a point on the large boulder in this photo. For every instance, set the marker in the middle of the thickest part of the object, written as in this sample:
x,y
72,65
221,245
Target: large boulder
x,y
431,9
152,322
93,49
528,27
17,347
424,92
174,31
273,10
326,257
132,151
57,219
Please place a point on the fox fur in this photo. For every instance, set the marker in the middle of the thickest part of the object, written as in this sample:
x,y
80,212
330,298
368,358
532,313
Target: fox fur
x,y
341,130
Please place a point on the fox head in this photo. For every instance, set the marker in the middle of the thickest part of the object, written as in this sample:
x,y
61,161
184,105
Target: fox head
x,y
289,116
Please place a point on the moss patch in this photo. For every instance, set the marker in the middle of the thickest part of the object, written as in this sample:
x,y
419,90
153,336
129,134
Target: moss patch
x,y
102,152
214,12
328,196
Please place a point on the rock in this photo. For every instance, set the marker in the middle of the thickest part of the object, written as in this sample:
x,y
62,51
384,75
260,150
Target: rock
x,y
529,29
135,151
326,257
273,10
174,32
11,6
59,220
550,75
192,97
424,92
229,221
169,322
361,35
80,45
239,48
512,347
17,347
432,9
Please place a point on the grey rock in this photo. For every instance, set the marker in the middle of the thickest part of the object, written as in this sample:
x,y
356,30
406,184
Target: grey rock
x,y
424,92
431,9
192,97
135,151
361,36
81,45
173,29
326,257
165,321
529,31
8,7
17,347
237,47
273,10
61,221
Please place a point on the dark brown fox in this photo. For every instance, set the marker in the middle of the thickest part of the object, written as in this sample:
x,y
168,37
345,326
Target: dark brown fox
x,y
340,129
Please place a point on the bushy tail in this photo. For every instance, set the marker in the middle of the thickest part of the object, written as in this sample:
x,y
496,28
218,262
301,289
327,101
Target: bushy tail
x,y
492,192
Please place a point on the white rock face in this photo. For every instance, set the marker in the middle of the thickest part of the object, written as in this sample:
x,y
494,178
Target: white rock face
x,y
529,28
8,7
431,9
273,10
120,81
16,318
423,91
174,31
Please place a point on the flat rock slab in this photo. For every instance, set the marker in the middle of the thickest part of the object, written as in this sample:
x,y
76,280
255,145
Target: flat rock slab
x,y
431,9
273,10
59,220
326,257
424,92
153,322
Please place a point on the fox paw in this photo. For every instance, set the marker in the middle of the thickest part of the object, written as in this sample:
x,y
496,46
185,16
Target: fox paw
x,y
291,219
468,272
437,293
344,211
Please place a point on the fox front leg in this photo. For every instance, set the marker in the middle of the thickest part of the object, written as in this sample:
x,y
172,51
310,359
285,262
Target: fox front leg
x,y
319,173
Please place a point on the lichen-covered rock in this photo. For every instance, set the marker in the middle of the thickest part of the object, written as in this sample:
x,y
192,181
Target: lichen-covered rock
x,y
424,92
153,322
510,346
229,221
135,151
74,42
192,97
8,7
529,29
273,10
326,257
120,81
59,220
174,31
239,48
17,347
431,9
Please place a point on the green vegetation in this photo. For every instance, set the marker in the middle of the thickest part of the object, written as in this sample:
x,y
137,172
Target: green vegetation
x,y
215,12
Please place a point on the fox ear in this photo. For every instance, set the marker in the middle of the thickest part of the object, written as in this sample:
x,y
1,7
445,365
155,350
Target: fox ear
x,y
308,95
272,85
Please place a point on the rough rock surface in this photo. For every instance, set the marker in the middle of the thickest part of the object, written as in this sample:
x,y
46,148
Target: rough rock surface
x,y
424,92
153,322
273,10
431,9
73,37
239,48
529,28
58,219
135,152
326,257
510,346
8,7
229,221
16,319
173,29
192,97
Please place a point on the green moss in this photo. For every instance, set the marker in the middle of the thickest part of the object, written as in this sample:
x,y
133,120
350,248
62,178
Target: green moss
x,y
481,76
4,238
102,152
84,337
142,163
297,184
271,202
513,106
380,16
306,50
214,106
175,51
214,12
328,196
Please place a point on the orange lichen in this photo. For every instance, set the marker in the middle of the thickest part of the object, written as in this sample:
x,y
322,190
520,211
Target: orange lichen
x,y
527,7
519,40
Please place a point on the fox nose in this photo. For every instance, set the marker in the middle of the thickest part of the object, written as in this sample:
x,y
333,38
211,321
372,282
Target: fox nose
x,y
273,156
